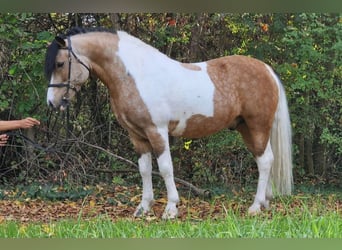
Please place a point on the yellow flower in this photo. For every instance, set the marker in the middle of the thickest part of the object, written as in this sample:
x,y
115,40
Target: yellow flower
x,y
187,144
22,230
48,229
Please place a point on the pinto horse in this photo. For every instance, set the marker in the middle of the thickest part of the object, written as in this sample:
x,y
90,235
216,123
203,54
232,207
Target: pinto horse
x,y
154,96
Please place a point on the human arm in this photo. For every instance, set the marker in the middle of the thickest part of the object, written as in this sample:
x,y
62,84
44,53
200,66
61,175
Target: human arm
x,y
17,124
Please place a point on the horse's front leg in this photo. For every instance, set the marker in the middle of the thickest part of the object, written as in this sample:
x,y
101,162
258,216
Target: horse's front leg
x,y
166,171
145,168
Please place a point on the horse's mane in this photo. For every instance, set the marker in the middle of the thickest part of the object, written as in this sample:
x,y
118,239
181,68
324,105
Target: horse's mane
x,y
80,30
53,48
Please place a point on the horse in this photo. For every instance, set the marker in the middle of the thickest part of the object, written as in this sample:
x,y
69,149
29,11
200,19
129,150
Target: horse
x,y
154,96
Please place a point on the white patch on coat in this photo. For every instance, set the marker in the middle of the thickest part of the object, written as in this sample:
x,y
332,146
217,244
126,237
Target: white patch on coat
x,y
170,91
50,93
264,163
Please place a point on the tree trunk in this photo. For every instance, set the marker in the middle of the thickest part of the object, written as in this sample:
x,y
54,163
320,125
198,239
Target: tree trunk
x,y
301,144
319,154
196,31
309,158
115,19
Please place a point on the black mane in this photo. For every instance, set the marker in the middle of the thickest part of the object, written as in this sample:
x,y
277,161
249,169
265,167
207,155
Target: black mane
x,y
53,48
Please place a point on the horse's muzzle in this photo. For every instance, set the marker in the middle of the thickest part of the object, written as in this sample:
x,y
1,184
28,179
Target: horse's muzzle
x,y
62,106
51,105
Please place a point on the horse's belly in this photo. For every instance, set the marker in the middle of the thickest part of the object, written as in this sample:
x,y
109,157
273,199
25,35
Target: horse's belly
x,y
196,126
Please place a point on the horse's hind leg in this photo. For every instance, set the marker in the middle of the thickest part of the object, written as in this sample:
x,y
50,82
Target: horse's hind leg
x,y
258,143
262,196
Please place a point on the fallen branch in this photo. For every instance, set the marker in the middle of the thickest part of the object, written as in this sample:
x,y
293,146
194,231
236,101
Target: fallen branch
x,y
198,191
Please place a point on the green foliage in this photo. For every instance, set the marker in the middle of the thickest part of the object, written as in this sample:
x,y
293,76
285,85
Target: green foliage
x,y
24,85
221,159
312,71
46,192
304,48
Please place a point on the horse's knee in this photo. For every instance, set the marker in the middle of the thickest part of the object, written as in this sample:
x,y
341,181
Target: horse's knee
x,y
145,164
165,164
265,160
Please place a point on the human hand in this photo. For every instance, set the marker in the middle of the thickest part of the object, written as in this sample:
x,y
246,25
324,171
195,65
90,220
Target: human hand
x,y
3,139
29,122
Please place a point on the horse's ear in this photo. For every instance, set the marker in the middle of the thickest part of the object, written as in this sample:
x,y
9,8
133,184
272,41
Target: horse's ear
x,y
60,41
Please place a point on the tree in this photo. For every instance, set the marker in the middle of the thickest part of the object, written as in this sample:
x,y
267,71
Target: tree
x,y
305,49
312,67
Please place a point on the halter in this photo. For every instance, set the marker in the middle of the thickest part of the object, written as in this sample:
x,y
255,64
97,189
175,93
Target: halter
x,y
69,85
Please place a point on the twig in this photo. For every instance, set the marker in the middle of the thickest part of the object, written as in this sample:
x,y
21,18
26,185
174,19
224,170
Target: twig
x,y
198,191
110,153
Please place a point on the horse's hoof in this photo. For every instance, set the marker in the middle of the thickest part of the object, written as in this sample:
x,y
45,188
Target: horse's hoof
x,y
170,214
266,204
143,209
140,212
254,210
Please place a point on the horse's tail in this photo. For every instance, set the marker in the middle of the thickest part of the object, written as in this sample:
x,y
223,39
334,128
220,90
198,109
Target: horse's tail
x,y
281,143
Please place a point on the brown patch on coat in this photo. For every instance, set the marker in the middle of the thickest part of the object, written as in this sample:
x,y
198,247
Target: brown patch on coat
x,y
198,126
60,74
245,98
191,66
172,126
126,103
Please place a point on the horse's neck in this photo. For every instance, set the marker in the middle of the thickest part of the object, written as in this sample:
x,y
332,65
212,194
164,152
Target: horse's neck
x,y
133,52
114,57
99,50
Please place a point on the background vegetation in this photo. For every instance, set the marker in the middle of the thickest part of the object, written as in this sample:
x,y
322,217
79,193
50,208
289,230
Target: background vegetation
x,y
304,48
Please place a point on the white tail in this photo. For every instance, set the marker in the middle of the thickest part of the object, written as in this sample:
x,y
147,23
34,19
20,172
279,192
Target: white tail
x,y
281,143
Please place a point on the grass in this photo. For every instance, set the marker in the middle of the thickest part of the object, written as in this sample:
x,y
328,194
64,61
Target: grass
x,y
231,227
302,215
299,222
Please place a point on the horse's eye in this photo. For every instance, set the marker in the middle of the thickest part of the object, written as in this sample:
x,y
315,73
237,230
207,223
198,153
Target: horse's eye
x,y
59,64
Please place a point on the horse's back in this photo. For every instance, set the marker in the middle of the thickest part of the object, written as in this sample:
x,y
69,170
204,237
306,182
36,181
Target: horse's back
x,y
242,88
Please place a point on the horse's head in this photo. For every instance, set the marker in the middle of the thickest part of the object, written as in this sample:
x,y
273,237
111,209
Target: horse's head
x,y
66,71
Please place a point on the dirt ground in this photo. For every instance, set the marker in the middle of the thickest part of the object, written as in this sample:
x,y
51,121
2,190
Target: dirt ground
x,y
121,202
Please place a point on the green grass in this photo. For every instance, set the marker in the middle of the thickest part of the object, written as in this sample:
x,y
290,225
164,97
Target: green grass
x,y
302,224
302,215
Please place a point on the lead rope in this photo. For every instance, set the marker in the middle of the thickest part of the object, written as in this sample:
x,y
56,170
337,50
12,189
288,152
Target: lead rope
x,y
68,126
67,93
